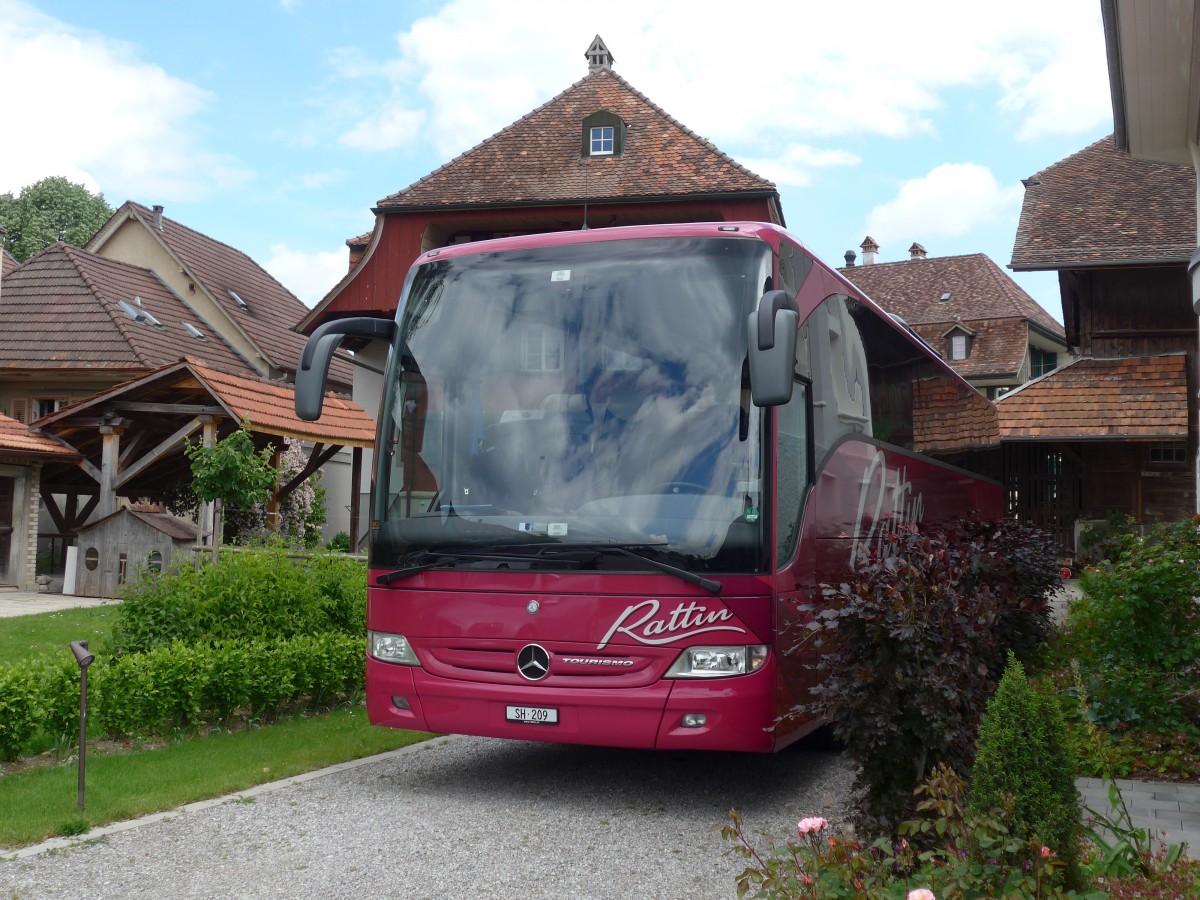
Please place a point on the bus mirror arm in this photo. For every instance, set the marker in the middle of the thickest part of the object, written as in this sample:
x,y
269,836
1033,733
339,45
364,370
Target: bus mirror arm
x,y
772,352
313,370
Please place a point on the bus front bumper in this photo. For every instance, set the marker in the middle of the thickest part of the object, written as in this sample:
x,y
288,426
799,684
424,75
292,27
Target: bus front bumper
x,y
703,714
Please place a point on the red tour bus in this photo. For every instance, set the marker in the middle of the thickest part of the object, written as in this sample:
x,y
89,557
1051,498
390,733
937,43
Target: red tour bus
x,y
614,468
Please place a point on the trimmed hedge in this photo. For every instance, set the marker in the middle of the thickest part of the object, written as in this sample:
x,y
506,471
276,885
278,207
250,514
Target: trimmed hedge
x,y
259,594
179,686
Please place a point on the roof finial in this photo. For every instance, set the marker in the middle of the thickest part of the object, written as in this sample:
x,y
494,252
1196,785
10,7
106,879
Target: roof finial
x,y
598,56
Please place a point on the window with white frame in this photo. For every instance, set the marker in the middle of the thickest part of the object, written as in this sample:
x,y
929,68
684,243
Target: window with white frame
x,y
960,346
602,140
543,349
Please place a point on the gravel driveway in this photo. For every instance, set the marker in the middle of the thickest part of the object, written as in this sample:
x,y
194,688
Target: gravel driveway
x,y
462,817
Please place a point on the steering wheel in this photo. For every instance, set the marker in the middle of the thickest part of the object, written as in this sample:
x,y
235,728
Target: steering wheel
x,y
681,487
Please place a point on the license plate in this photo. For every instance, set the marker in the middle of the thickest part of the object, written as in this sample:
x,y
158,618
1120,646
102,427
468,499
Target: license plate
x,y
533,715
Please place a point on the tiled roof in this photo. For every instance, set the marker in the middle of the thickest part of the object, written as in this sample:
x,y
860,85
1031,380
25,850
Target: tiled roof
x,y
61,310
163,407
983,299
948,416
19,440
270,407
1101,206
8,262
271,309
537,158
168,525
1144,396
165,523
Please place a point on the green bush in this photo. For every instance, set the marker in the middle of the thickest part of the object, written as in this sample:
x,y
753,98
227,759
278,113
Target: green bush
x,y
179,686
1136,633
189,685
953,853
250,594
1025,761
20,709
912,644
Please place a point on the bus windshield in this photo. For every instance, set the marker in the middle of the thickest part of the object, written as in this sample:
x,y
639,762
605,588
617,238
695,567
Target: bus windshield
x,y
586,395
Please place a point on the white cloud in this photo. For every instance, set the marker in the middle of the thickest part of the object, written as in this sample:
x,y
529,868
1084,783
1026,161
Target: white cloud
x,y
787,73
794,167
310,276
129,130
951,200
388,128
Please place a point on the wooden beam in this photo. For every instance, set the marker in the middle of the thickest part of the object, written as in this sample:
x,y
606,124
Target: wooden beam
x,y
110,450
186,409
90,468
130,448
56,515
319,456
85,512
174,441
355,480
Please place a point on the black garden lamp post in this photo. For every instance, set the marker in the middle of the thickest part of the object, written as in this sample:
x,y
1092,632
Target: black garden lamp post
x,y
85,659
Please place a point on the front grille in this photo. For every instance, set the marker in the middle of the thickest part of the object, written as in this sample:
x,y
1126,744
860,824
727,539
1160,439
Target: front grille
x,y
570,664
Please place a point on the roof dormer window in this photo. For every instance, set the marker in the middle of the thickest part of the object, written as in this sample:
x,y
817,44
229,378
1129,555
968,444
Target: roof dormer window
x,y
603,134
960,346
602,140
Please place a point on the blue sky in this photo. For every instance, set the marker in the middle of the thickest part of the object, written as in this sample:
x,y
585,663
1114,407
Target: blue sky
x,y
275,125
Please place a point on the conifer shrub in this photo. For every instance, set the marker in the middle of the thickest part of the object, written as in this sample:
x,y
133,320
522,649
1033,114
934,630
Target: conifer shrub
x,y
1024,763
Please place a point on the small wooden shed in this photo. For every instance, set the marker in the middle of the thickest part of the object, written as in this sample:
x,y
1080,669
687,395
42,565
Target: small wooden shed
x,y
119,547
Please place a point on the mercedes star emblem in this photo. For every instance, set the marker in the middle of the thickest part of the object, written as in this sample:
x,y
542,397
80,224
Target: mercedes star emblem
x,y
532,608
533,662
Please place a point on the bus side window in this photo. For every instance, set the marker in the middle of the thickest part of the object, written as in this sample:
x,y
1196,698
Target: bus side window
x,y
791,470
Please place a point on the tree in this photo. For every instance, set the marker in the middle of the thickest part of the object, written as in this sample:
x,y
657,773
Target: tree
x,y
244,480
53,209
233,472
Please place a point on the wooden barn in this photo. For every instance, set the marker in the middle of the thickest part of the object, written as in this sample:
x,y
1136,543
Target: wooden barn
x,y
1114,431
120,547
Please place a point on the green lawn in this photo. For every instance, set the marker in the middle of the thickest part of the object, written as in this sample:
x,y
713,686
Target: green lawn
x,y
37,804
50,634
41,802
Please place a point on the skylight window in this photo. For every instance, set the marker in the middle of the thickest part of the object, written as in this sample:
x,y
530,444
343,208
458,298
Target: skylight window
x,y
238,300
193,331
137,313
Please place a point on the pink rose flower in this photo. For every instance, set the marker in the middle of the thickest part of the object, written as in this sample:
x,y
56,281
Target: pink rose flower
x,y
921,894
811,825
1045,853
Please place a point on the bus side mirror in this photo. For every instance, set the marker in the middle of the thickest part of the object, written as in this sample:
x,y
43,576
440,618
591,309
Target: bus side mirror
x,y
313,369
771,330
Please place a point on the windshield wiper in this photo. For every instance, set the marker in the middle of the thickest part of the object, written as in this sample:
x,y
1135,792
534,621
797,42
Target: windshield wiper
x,y
441,558
713,587
550,552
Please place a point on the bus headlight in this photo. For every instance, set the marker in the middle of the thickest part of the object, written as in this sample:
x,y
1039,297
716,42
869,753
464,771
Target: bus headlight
x,y
391,648
718,662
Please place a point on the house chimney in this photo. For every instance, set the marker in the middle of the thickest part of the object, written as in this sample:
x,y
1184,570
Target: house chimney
x,y
158,211
916,251
850,257
598,56
869,249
